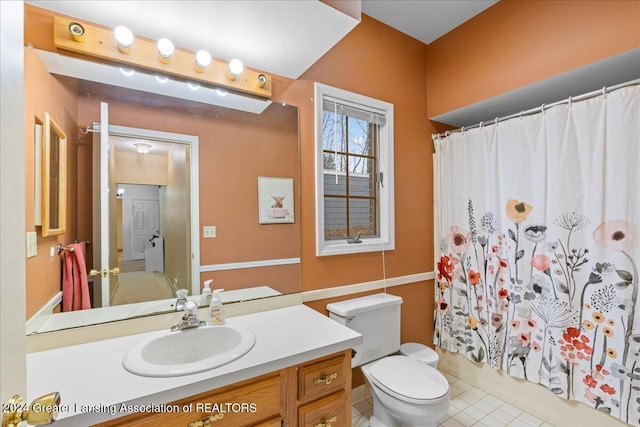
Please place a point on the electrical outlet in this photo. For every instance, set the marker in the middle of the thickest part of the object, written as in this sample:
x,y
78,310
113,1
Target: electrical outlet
x,y
32,244
209,231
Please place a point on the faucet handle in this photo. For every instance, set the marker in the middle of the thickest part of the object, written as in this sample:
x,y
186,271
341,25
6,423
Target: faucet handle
x,y
190,307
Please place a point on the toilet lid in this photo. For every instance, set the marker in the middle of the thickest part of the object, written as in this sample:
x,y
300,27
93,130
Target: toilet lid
x,y
409,378
420,352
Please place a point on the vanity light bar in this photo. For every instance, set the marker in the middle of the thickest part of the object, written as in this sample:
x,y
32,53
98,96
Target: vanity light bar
x,y
137,52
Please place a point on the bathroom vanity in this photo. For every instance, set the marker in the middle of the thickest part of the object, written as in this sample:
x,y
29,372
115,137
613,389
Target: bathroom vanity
x,y
297,374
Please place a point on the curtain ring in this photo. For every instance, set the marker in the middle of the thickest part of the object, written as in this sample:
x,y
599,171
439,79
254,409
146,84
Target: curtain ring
x,y
462,129
570,101
604,91
542,108
495,122
480,125
446,134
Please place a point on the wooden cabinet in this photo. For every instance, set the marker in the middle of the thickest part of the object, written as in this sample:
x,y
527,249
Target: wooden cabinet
x,y
313,394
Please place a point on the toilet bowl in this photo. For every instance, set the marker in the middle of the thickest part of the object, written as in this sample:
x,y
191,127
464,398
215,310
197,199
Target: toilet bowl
x,y
407,389
406,392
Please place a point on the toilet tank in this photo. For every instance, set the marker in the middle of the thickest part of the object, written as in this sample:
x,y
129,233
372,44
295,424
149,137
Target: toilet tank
x,y
377,318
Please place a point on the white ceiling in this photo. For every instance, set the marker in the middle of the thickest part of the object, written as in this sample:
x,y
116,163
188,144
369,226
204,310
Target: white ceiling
x,y
425,20
283,37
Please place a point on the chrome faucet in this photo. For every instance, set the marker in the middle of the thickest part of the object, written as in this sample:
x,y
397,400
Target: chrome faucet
x,y
189,318
180,302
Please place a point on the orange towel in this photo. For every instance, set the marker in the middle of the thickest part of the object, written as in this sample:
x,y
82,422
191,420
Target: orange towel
x,y
75,287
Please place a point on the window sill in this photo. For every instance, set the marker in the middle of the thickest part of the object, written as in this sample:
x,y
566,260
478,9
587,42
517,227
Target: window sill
x,y
341,247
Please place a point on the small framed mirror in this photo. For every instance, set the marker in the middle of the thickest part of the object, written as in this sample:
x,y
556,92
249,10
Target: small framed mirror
x,y
54,178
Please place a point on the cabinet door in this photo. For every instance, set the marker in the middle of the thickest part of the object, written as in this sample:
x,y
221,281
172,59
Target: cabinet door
x,y
330,411
322,378
244,404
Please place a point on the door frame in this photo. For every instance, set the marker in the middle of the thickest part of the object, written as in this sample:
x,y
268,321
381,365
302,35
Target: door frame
x,y
12,199
194,179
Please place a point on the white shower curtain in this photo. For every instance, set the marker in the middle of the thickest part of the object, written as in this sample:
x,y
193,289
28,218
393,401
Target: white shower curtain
x,y
538,219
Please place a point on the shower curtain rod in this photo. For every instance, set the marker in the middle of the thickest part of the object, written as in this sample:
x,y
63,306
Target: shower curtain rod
x,y
543,107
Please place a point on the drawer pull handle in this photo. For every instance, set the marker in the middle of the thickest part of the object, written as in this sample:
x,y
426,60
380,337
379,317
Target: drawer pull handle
x,y
326,423
326,379
207,421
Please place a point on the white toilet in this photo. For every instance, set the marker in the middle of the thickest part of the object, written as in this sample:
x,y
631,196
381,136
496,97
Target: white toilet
x,y
407,389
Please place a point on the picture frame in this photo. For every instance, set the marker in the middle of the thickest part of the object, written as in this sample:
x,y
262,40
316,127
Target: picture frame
x,y
275,200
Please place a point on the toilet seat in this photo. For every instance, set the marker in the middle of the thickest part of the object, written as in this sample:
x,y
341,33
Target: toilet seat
x,y
409,380
420,352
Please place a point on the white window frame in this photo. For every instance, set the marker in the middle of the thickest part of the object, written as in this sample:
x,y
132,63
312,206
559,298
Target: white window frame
x,y
386,221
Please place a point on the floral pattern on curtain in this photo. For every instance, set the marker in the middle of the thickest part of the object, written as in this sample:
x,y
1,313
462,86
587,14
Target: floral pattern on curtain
x,y
537,272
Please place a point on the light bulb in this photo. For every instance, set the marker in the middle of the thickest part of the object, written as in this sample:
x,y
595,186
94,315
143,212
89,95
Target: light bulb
x,y
124,38
142,148
235,68
203,59
165,50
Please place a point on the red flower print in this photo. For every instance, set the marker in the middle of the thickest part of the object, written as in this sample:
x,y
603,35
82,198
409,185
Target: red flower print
x,y
541,262
503,263
589,381
571,333
608,389
531,323
474,277
524,339
515,324
503,293
535,346
575,345
445,268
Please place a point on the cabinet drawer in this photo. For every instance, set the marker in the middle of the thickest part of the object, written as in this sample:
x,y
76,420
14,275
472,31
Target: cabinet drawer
x,y
330,411
244,404
321,378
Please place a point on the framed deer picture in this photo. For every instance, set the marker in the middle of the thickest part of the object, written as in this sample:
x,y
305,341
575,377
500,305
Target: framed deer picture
x,y
275,200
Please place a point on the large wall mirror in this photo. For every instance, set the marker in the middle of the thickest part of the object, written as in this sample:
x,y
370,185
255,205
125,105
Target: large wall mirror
x,y
150,196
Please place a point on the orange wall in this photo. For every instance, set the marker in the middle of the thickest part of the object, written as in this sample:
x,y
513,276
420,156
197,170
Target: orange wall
x,y
377,61
45,94
515,43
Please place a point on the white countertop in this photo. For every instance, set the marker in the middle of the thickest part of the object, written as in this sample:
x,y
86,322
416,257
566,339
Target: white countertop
x,y
92,375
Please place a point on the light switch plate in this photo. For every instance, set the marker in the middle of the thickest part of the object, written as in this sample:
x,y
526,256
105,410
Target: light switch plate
x,y
32,244
209,231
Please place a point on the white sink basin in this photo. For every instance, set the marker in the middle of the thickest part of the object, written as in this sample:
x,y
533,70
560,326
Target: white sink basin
x,y
189,351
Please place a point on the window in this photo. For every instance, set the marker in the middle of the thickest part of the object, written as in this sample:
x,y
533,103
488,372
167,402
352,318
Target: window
x,y
354,172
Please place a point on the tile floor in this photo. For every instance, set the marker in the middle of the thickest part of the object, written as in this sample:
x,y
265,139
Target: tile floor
x,y
469,407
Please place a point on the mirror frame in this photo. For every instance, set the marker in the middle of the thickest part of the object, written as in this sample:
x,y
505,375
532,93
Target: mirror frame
x,y
50,126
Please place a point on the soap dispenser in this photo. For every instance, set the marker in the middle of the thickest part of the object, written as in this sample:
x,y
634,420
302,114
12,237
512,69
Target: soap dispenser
x,y
205,296
215,308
